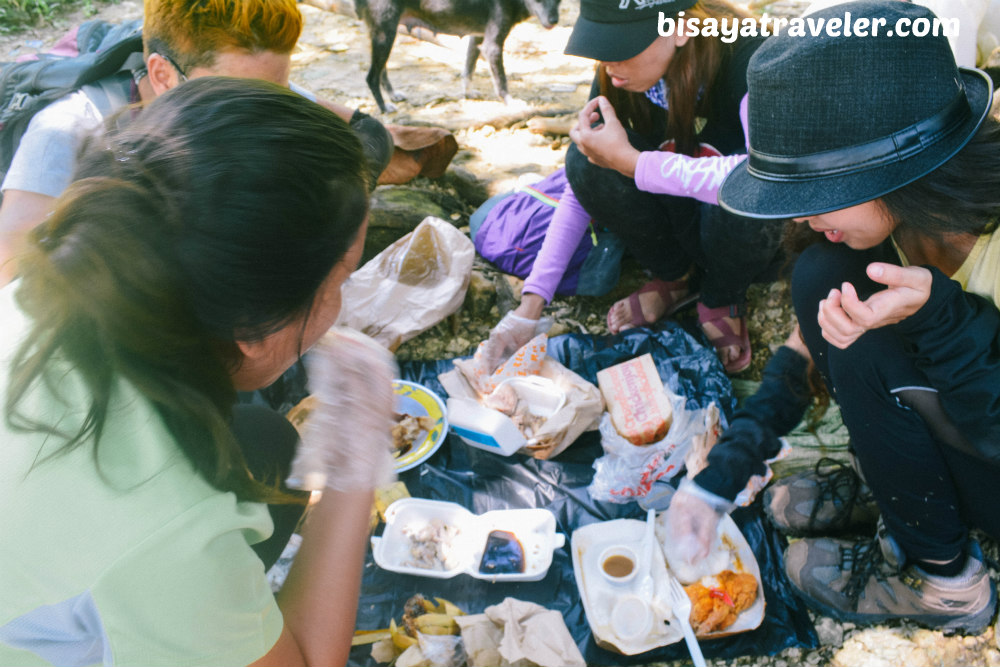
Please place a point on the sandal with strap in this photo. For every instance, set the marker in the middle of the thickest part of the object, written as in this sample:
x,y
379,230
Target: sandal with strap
x,y
716,318
665,288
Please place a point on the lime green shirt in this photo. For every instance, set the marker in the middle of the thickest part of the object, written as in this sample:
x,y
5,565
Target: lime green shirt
x,y
132,560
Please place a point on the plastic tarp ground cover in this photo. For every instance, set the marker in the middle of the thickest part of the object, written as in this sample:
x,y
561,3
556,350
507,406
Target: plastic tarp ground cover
x,y
482,481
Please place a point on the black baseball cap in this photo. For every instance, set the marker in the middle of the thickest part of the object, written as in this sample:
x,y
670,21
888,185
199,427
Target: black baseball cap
x,y
615,30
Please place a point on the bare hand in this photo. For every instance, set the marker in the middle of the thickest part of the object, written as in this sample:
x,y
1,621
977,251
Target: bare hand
x,y
605,144
843,317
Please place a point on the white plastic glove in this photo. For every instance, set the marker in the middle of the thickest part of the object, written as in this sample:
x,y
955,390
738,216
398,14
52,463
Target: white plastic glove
x,y
348,439
509,335
693,529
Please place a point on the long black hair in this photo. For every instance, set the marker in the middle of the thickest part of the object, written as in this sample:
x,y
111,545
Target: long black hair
x,y
961,196
213,217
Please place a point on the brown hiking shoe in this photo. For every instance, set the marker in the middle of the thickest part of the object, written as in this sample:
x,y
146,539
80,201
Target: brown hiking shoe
x,y
859,583
831,499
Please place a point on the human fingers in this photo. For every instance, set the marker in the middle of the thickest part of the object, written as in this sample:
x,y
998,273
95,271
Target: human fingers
x,y
912,277
859,312
607,111
588,114
837,326
908,289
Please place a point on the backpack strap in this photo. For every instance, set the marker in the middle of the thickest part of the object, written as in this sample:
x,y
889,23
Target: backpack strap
x,y
114,92
539,195
110,93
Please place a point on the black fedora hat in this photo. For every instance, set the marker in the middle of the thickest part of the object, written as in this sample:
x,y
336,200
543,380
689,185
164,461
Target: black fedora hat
x,y
616,30
836,121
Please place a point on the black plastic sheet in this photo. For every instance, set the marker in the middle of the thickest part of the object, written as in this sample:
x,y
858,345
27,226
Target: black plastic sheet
x,y
482,481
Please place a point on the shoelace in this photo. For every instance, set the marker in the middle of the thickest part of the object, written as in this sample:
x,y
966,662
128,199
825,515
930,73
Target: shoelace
x,y
842,485
864,560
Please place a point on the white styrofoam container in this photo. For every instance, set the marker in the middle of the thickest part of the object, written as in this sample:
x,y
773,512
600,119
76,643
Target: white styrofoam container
x,y
489,429
534,528
483,427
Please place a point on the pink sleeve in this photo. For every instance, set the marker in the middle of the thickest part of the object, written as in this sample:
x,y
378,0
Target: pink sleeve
x,y
569,224
666,173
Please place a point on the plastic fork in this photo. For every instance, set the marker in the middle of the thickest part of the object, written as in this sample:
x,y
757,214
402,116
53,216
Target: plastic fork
x,y
680,603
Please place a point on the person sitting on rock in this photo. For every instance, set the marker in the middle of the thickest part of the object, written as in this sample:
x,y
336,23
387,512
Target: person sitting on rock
x,y
897,303
181,40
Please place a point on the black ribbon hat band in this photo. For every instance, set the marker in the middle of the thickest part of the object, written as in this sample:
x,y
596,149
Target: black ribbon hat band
x,y
885,150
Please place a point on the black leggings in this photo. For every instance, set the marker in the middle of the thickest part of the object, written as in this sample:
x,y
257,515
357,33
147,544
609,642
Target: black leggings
x,y
268,441
670,235
928,491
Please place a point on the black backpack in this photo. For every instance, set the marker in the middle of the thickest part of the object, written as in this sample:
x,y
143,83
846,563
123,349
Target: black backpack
x,y
106,53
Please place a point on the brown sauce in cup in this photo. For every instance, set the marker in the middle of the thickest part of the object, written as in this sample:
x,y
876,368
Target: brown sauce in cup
x,y
618,566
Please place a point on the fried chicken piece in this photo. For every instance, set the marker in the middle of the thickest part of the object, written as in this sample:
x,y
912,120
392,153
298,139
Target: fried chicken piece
x,y
406,430
741,587
716,607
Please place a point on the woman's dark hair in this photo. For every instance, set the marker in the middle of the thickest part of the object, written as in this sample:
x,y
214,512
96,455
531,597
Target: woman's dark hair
x,y
212,217
689,77
961,196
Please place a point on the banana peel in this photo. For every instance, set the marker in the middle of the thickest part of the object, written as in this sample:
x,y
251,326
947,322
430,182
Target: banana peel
x,y
450,608
433,618
385,496
362,637
436,624
402,640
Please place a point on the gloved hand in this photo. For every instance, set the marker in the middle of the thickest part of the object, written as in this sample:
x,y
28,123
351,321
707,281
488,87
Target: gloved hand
x,y
506,338
347,443
692,528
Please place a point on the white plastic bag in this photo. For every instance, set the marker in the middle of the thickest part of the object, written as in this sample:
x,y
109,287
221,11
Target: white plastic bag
x,y
627,472
410,286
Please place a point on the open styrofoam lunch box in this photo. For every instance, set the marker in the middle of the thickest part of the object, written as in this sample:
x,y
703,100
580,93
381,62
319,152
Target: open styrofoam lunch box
x,y
462,538
492,430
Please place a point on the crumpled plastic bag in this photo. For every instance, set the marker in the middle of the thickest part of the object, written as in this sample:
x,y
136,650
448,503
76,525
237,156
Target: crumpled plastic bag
x,y
580,412
433,651
627,472
410,286
696,459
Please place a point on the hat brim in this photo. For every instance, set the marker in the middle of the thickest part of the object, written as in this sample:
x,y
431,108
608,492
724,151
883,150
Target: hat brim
x,y
753,197
610,42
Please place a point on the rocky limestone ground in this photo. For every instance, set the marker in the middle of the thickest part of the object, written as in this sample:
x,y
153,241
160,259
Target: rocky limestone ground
x,y
497,145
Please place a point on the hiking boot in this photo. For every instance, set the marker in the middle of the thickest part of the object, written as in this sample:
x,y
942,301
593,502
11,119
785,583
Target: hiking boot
x,y
829,500
864,583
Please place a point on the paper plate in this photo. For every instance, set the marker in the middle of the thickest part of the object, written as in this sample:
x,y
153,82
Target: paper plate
x,y
419,401
740,558
599,597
